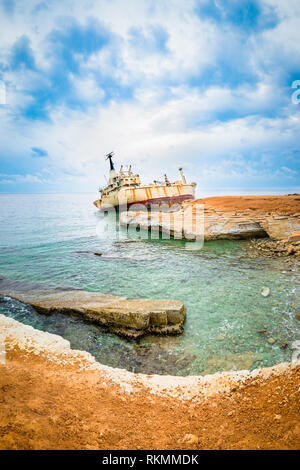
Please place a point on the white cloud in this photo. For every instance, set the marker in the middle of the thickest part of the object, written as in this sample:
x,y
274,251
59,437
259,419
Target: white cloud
x,y
168,122
87,90
154,138
15,179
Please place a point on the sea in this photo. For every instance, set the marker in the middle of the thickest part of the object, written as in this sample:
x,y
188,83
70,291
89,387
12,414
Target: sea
x,y
51,238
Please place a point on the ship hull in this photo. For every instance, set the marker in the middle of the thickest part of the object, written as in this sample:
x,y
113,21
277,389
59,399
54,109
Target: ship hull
x,y
146,195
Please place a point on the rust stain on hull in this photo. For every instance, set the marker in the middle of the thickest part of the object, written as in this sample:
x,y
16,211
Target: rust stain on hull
x,y
124,188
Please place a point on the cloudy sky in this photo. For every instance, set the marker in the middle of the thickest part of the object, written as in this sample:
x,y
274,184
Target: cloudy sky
x,y
203,84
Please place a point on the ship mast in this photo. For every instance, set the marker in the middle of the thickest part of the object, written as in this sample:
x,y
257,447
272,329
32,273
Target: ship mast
x,y
112,172
109,157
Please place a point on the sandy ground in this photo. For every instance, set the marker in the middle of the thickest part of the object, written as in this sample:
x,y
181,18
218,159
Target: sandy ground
x,y
278,204
50,406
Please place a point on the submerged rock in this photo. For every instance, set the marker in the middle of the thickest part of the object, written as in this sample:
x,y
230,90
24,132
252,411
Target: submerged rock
x,y
265,292
229,361
88,253
220,337
131,318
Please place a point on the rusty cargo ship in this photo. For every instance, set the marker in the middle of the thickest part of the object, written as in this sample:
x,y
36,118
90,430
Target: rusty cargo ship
x,y
124,189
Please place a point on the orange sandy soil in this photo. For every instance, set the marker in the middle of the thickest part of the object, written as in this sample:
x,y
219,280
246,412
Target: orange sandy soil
x,y
278,204
47,406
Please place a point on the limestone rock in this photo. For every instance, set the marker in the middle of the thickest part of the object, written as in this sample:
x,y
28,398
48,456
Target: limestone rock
x,y
268,247
295,236
131,318
277,217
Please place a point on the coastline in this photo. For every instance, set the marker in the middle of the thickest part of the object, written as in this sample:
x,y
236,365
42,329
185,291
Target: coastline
x,y
55,397
223,217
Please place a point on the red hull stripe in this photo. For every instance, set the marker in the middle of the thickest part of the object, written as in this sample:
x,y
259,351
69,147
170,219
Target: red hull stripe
x,y
164,199
169,199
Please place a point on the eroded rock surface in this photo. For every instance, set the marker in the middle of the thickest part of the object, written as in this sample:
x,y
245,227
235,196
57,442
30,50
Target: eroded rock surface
x,y
128,317
233,217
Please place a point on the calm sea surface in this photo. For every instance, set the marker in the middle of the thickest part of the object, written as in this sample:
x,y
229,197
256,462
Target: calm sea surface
x,y
41,235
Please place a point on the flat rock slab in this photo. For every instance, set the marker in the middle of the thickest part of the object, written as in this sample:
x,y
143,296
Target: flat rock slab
x,y
131,318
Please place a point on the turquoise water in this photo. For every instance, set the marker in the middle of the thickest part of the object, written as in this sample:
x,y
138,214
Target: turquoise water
x,y
48,239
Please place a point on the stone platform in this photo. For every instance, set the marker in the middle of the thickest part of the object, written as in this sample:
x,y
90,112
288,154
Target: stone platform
x,y
128,317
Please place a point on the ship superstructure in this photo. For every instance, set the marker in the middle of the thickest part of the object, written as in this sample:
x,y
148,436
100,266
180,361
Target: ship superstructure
x,y
124,189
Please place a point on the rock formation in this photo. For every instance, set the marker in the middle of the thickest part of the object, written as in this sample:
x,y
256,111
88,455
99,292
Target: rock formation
x,y
128,317
233,217
197,387
274,248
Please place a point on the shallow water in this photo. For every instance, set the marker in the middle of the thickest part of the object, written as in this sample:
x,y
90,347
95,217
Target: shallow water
x,y
48,238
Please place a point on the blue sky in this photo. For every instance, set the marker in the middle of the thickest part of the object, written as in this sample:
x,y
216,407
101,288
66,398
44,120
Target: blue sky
x,y
203,84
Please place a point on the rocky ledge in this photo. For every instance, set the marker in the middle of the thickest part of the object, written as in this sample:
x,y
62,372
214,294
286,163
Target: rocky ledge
x,y
128,317
234,217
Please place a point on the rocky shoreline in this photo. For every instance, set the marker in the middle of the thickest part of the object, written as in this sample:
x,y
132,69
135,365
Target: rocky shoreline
x,y
56,397
234,217
53,397
274,248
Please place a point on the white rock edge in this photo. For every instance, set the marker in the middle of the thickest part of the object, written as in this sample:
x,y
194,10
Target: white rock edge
x,y
55,349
